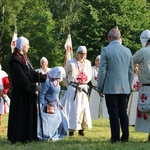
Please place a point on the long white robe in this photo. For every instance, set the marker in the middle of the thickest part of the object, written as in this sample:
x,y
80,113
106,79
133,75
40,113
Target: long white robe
x,y
97,104
77,109
141,124
132,103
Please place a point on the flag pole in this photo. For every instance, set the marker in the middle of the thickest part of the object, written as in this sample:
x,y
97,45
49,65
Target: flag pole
x,y
116,26
68,29
14,38
66,45
65,51
15,25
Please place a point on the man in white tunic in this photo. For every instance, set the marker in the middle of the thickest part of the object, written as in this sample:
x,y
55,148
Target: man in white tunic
x,y
75,100
142,57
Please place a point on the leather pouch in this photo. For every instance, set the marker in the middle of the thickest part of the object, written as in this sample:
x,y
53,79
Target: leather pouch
x,y
50,109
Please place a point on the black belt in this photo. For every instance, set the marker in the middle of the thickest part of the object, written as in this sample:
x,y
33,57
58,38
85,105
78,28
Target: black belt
x,y
49,102
75,85
94,87
145,84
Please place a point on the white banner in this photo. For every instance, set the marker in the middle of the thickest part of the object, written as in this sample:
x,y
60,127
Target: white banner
x,y
13,42
69,50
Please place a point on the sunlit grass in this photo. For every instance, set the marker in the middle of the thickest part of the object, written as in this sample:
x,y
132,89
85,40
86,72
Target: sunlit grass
x,y
95,139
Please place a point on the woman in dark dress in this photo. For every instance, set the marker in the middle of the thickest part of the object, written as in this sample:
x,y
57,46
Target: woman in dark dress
x,y
22,123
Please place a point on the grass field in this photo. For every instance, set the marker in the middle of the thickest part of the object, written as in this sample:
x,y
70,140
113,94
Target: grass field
x,y
95,139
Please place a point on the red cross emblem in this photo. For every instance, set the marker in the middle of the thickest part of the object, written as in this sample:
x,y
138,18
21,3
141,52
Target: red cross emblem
x,y
82,77
143,98
96,78
69,48
136,86
13,43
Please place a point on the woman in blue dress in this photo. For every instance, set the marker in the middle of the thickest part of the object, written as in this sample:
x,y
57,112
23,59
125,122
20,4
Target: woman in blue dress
x,y
53,123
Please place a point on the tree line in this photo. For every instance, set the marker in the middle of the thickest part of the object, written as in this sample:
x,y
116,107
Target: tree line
x,y
46,23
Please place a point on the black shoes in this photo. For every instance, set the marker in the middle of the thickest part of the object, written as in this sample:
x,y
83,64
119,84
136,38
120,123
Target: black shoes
x,y
81,133
71,133
124,140
114,141
119,141
149,137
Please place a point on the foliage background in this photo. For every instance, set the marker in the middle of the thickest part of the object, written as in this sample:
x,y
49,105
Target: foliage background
x,y
46,23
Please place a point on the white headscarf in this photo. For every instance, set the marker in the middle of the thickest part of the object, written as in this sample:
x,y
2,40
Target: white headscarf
x,y
43,58
144,37
20,42
81,48
98,57
57,72
0,67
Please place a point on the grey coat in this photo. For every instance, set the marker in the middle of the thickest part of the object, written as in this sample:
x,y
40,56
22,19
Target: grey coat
x,y
116,69
142,57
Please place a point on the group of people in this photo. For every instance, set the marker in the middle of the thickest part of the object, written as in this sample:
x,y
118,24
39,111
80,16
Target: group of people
x,y
36,113
115,80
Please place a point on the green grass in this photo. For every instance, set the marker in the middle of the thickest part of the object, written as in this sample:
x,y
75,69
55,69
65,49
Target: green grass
x,y
95,139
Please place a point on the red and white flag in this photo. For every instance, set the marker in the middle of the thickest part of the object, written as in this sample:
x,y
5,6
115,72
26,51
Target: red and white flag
x,y
69,50
13,42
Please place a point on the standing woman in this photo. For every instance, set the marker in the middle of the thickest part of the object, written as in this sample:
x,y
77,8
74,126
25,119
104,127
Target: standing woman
x,y
133,99
97,104
4,87
75,100
22,123
44,65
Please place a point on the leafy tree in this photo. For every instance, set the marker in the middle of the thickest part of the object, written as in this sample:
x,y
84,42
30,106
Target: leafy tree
x,y
97,17
6,26
65,14
34,21
46,22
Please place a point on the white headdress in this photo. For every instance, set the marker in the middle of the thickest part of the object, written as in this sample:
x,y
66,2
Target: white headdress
x,y
144,37
98,57
57,72
43,58
20,42
81,48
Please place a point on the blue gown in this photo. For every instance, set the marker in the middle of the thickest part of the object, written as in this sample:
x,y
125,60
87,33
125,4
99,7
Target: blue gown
x,y
55,126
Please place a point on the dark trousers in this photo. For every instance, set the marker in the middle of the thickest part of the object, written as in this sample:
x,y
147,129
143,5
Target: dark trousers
x,y
116,105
